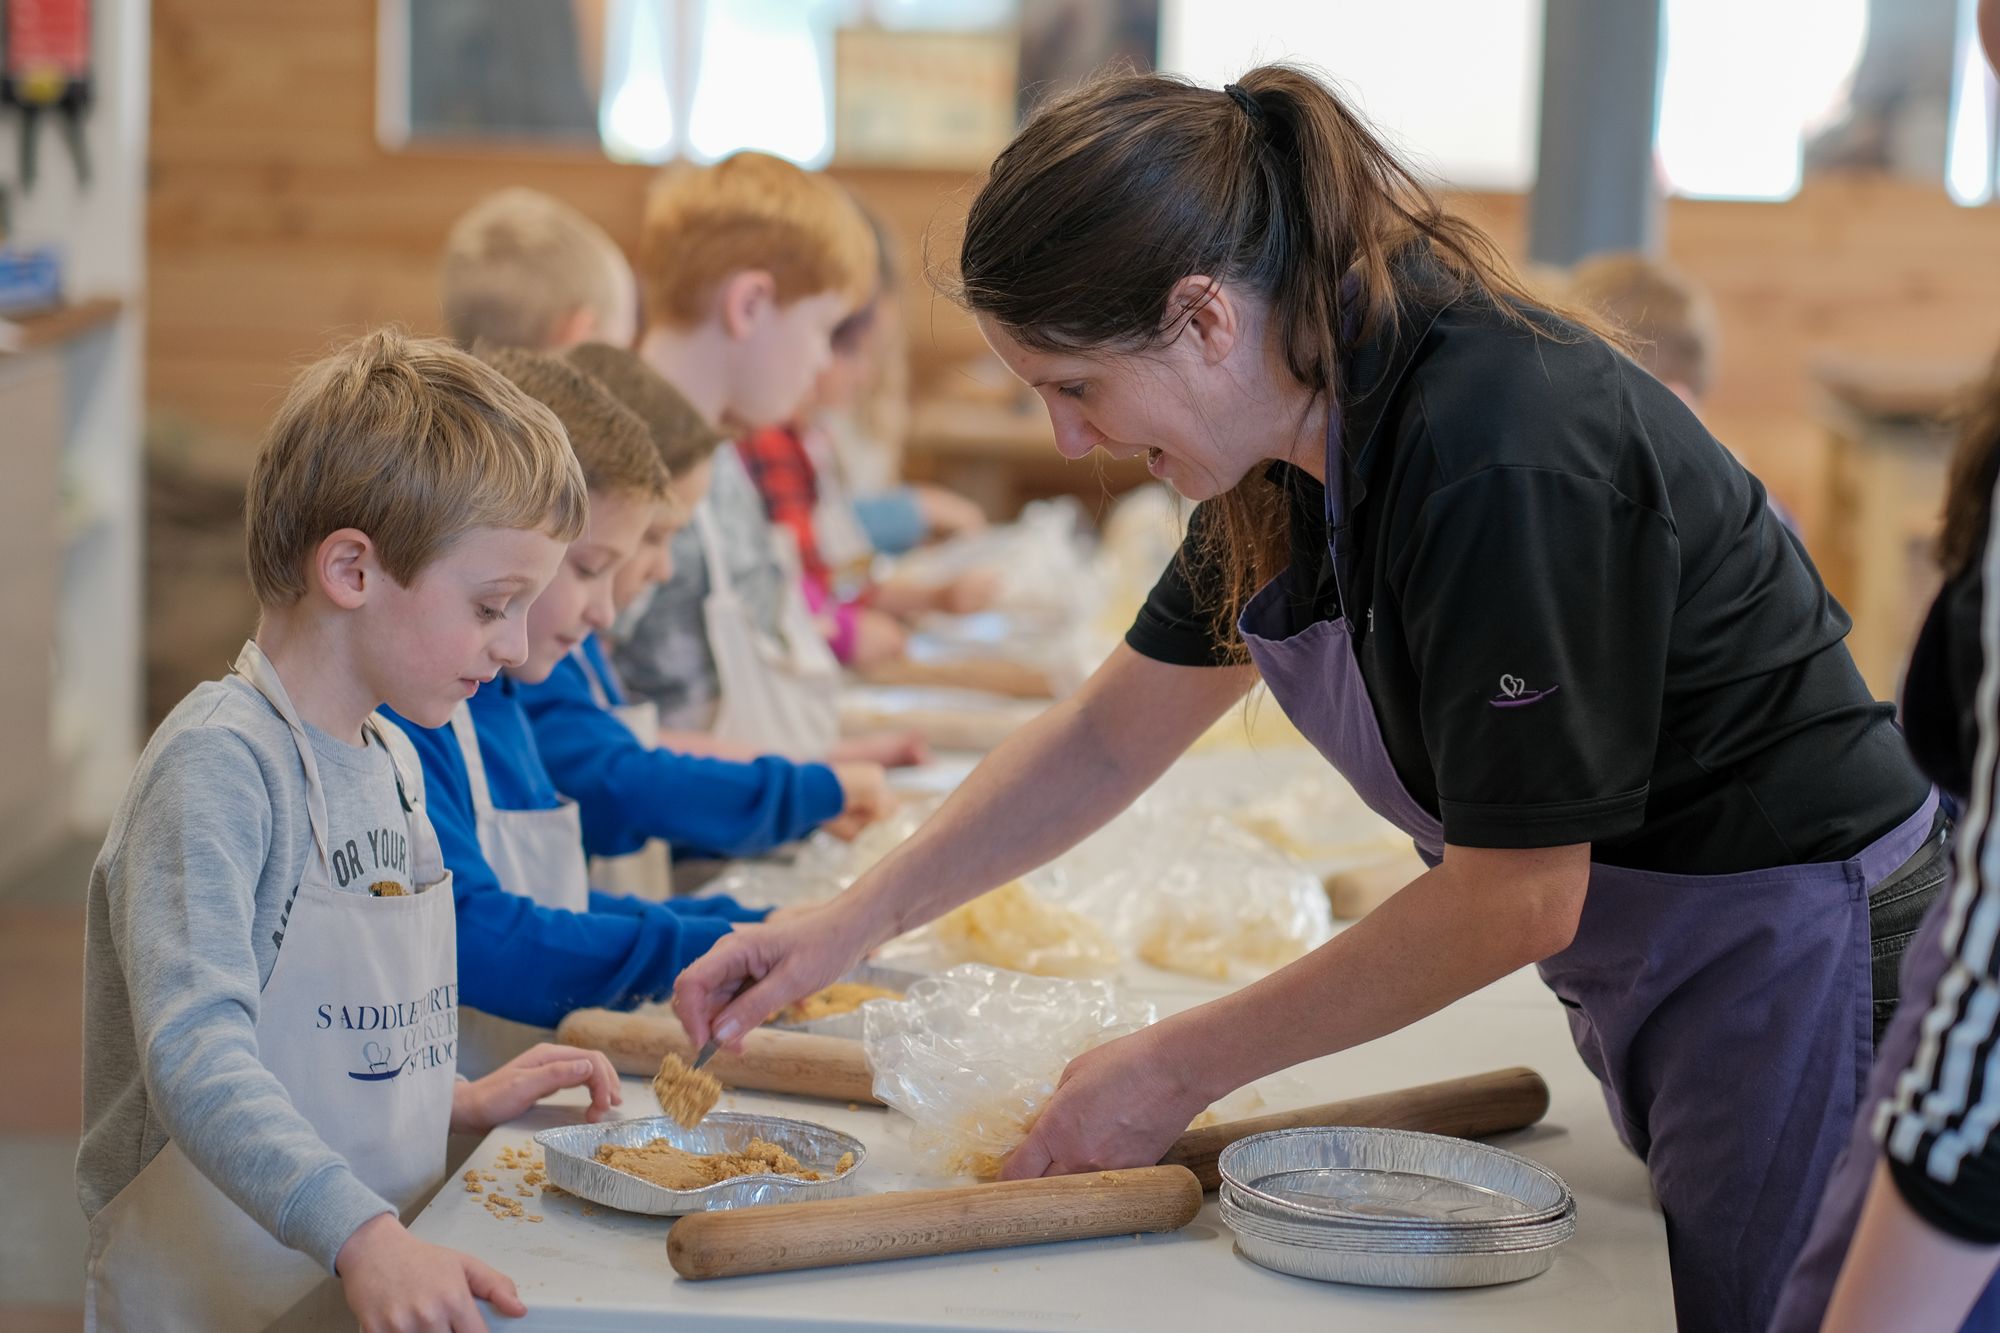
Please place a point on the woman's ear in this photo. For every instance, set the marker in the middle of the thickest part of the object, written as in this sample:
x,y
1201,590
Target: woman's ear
x,y
744,299
1203,311
344,568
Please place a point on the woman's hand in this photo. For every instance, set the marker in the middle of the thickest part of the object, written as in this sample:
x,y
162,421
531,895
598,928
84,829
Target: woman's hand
x,y
480,1104
756,970
1122,1104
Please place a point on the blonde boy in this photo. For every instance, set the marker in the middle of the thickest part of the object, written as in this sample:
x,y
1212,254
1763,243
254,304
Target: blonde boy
x,y
270,1013
524,269
1671,320
747,267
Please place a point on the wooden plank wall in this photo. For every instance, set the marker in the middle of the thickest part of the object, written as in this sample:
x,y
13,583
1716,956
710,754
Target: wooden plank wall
x,y
277,223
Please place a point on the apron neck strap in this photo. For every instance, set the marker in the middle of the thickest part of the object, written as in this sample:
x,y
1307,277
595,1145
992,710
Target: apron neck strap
x,y
475,763
719,581
1339,533
600,693
262,675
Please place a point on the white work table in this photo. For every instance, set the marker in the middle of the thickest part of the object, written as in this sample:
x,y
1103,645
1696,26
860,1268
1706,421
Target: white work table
x,y
604,1271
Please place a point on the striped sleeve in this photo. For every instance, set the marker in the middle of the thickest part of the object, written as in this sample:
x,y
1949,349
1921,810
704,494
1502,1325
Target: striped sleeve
x,y
1937,1126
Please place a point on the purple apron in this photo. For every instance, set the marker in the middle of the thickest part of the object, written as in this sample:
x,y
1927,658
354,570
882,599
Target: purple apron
x,y
1727,1016
1811,1283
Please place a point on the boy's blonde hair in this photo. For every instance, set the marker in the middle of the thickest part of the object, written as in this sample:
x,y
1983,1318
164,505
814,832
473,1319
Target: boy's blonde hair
x,y
682,437
1670,320
750,211
611,443
415,443
520,262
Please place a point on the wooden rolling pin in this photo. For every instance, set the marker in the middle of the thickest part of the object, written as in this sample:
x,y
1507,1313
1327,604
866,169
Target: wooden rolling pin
x,y
1465,1108
830,1232
796,1062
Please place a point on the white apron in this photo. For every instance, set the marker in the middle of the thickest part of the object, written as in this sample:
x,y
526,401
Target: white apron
x,y
536,854
171,1251
648,872
779,697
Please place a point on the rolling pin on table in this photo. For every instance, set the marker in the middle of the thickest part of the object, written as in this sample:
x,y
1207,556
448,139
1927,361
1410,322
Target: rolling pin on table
x,y
801,1063
916,1223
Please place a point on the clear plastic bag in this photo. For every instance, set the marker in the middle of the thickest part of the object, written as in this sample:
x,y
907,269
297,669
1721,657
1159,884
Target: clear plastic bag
x,y
1014,928
1193,894
972,1055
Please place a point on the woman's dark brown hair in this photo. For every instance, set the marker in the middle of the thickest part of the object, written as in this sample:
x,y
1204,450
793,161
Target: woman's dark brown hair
x,y
1975,470
1111,195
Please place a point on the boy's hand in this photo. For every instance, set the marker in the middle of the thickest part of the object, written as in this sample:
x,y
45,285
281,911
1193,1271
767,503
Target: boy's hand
x,y
947,513
479,1105
395,1283
892,749
865,798
974,590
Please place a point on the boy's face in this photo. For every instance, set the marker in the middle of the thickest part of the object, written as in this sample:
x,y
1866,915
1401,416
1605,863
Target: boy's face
x,y
460,622
578,600
653,562
780,351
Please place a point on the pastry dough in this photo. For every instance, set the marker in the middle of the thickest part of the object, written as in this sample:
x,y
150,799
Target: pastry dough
x,y
685,1094
662,1164
1014,928
842,997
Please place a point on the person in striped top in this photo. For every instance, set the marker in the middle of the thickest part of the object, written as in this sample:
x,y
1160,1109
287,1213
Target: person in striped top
x,y
1915,1205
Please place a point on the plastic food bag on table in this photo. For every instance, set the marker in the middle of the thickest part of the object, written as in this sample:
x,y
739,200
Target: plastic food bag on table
x,y
1194,895
1012,927
972,1055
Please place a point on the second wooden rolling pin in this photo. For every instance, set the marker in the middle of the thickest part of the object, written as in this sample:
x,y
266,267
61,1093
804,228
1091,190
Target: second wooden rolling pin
x,y
1465,1108
830,1232
830,1067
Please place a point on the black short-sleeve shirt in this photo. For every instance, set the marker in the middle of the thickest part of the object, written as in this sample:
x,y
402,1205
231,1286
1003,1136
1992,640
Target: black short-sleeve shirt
x,y
1578,618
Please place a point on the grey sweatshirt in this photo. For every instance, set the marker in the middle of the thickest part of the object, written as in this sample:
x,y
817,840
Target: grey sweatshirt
x,y
665,656
186,909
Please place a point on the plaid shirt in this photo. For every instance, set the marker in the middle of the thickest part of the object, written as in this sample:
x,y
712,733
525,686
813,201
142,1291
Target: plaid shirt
x,y
777,461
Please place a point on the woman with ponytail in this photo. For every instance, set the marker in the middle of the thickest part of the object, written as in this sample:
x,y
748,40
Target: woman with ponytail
x,y
1507,585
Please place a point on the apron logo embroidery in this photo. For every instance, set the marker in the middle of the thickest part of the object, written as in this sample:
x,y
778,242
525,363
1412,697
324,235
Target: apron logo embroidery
x,y
411,1035
1514,693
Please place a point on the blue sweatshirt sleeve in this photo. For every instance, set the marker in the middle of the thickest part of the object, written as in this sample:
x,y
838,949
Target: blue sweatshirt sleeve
x,y
628,793
535,964
716,906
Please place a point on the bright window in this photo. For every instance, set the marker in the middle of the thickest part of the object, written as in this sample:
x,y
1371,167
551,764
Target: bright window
x,y
1455,85
1734,112
1971,151
754,74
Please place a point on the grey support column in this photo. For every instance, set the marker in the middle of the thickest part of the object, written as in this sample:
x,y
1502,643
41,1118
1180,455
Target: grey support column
x,y
1594,183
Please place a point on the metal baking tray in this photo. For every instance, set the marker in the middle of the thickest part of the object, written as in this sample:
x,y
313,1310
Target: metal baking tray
x,y
1391,1178
1383,1239
1392,1208
849,1024
1391,1268
569,1152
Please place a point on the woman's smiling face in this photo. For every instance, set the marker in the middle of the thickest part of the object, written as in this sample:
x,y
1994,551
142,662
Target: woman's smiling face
x,y
1198,408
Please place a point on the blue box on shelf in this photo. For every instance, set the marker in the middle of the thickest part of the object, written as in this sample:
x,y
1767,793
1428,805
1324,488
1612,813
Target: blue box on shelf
x,y
29,279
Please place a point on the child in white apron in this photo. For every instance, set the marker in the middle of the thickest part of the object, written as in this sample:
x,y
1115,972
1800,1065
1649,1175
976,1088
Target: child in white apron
x,y
271,1014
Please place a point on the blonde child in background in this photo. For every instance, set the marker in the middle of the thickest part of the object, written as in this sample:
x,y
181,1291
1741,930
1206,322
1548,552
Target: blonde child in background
x,y
524,269
797,471
270,1012
1670,320
747,268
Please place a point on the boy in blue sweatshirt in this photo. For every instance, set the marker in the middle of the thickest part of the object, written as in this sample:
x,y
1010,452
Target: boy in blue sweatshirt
x,y
629,791
534,941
